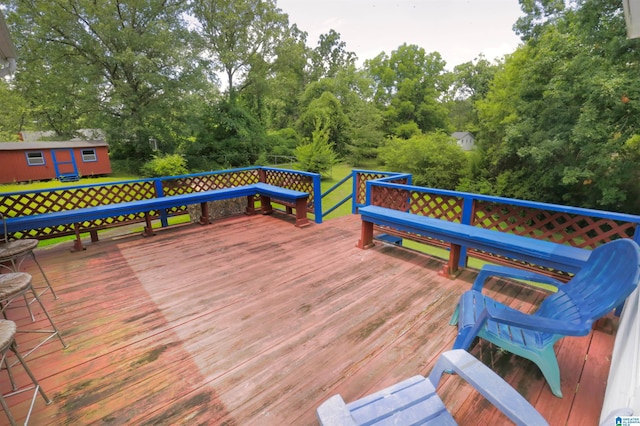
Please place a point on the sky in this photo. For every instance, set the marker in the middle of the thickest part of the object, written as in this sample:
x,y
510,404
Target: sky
x,y
457,29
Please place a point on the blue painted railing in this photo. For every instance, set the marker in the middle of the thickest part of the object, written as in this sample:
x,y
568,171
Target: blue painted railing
x,y
579,227
22,203
342,181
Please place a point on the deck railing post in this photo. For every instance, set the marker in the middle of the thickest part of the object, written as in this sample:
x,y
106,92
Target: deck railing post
x,y
356,184
157,183
262,175
467,217
317,198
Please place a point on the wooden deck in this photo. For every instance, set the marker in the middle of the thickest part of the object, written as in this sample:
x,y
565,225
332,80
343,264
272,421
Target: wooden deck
x,y
252,321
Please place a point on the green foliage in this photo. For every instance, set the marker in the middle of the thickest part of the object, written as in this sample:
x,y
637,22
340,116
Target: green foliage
x,y
434,159
282,142
407,87
317,156
106,66
165,165
470,83
231,137
326,109
13,109
239,34
364,133
556,119
331,56
407,130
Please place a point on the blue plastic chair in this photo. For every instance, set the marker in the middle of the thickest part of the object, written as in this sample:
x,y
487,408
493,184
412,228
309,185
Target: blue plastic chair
x,y
415,401
607,279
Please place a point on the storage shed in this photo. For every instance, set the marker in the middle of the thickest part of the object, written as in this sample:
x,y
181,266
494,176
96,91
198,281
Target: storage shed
x,y
28,161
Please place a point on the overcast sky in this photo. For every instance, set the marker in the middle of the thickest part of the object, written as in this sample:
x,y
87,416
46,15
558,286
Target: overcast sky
x,y
458,29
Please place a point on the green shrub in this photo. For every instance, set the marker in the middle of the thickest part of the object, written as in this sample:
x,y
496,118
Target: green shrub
x,y
165,165
317,156
434,159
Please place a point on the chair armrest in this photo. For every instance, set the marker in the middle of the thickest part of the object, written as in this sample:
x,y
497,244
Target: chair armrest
x,y
532,322
489,384
334,412
488,271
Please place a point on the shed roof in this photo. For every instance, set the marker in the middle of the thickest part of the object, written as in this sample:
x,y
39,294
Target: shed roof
x,y
21,146
460,135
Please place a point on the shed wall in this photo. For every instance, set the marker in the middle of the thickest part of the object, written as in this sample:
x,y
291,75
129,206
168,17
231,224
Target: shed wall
x,y
14,166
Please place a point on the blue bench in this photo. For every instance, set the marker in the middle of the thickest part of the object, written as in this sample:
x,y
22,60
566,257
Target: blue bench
x,y
538,252
288,197
78,216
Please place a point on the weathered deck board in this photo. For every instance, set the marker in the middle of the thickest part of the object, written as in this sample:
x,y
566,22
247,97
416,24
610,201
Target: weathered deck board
x,y
253,321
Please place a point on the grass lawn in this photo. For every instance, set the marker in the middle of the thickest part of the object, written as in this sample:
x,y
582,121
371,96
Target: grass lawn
x,y
338,172
36,186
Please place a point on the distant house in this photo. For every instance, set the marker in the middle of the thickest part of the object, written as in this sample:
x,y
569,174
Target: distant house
x,y
466,141
28,161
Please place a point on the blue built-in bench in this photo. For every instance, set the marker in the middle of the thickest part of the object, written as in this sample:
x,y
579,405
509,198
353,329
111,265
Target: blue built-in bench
x,y
538,252
78,216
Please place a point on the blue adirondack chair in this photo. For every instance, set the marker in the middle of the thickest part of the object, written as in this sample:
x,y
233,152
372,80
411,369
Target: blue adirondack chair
x,y
607,279
415,401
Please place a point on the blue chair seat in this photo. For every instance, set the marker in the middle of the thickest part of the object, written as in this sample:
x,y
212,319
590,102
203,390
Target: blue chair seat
x,y
415,401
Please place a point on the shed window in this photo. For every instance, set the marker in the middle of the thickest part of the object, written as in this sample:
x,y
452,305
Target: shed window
x,y
35,158
89,155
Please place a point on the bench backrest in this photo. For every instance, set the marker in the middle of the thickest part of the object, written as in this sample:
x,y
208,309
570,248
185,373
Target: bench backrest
x,y
609,277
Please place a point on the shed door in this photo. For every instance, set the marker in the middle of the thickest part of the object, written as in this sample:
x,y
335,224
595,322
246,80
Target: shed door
x,y
64,162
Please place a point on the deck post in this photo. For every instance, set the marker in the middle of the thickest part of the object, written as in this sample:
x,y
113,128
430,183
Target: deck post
x,y
77,244
301,213
454,260
204,215
251,205
265,204
366,235
148,229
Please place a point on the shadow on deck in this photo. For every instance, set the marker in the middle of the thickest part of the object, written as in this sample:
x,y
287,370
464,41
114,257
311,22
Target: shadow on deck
x,y
253,321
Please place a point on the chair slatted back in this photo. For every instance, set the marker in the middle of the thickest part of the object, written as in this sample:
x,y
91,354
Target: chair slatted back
x,y
609,277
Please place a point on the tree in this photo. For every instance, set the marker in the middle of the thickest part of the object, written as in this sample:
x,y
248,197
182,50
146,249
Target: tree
x,y
317,155
13,111
364,134
434,159
231,137
110,64
286,81
326,109
407,87
330,56
537,15
557,120
239,34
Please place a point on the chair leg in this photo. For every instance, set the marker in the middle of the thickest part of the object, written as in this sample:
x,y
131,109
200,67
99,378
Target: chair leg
x,y
28,304
5,407
4,404
548,364
455,316
14,349
55,331
15,390
49,287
